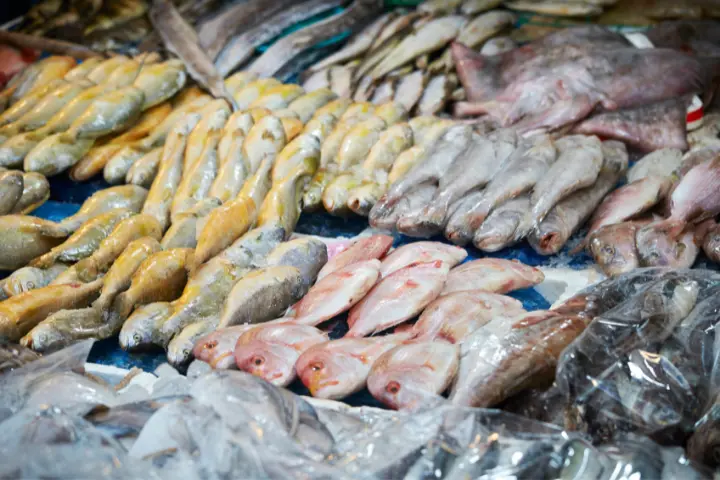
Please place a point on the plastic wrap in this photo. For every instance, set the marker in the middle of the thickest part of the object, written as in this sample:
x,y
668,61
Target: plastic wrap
x,y
645,365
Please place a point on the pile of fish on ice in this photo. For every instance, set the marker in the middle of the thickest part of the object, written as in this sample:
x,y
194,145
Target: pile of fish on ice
x,y
216,424
454,304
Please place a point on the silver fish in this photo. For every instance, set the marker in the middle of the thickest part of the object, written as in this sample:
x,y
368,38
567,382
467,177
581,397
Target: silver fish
x,y
498,229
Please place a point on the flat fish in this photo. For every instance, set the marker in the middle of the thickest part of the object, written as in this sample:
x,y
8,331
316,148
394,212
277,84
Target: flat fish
x,y
337,292
408,375
452,318
492,275
399,297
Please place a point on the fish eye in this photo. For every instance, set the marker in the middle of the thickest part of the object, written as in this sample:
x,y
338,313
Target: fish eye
x,y
210,345
30,285
392,388
258,360
137,338
186,352
316,366
681,248
608,250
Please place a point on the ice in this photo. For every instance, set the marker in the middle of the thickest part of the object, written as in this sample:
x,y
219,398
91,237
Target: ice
x,y
197,369
169,382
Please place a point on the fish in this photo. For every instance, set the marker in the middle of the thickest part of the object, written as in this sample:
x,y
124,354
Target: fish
x,y
119,276
102,71
181,39
571,212
656,246
180,348
362,198
421,252
295,153
439,7
506,356
29,278
577,166
710,244
252,91
629,201
130,229
143,170
265,140
194,104
550,7
161,277
454,317
39,74
367,248
21,313
646,128
130,197
499,229
11,189
84,241
527,165
494,275
25,238
278,97
359,44
224,225
217,348
473,7
384,92
308,255
284,50
15,356
308,104
54,155
660,163
434,35
399,296
337,192
159,197
262,295
198,178
338,368
408,208
270,351
10,117
116,168
405,162
434,98
95,161
406,376
233,169
282,205
138,331
433,166
107,114
410,89
36,191
694,199
212,119
473,169
65,327
182,233
337,292
317,80
496,46
239,80
613,248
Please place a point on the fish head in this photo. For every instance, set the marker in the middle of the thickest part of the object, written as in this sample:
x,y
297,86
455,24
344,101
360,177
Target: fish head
x,y
613,248
180,353
274,363
331,374
41,338
23,280
216,350
138,330
657,246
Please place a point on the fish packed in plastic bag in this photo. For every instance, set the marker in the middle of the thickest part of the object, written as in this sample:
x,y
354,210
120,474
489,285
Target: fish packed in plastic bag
x,y
228,424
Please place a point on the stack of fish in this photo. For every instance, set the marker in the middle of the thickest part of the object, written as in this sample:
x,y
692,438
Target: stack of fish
x,y
404,56
663,216
498,189
57,110
459,308
566,8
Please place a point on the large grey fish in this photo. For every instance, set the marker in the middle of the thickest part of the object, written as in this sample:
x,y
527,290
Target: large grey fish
x,y
435,164
287,48
568,215
242,46
180,38
308,255
577,167
473,169
498,229
527,165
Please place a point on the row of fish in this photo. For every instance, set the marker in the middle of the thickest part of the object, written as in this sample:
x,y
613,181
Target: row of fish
x,y
405,56
455,304
663,216
215,424
57,110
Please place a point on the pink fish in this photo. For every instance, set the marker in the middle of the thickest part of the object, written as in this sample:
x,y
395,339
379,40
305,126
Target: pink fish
x,y
368,248
339,368
492,275
337,292
421,252
453,317
398,297
270,351
402,378
217,348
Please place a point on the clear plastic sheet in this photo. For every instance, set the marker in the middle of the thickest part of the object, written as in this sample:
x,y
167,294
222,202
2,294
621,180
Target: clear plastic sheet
x,y
648,364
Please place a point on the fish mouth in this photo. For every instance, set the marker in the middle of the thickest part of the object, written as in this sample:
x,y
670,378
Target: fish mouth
x,y
214,362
